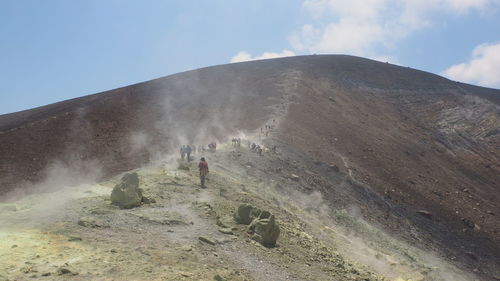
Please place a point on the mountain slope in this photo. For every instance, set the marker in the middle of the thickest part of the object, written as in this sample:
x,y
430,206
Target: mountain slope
x,y
414,151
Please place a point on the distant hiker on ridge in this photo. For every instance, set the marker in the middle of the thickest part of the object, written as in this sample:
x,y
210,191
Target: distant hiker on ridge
x,y
183,151
188,152
203,166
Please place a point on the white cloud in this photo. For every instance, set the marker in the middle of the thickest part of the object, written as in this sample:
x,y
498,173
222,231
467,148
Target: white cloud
x,y
241,56
463,6
360,27
483,68
245,56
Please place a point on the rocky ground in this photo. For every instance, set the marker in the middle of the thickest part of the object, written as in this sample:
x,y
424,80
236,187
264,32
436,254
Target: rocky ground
x,y
189,233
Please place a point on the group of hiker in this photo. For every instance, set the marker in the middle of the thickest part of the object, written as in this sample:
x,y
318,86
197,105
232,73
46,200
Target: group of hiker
x,y
187,150
236,142
267,129
256,148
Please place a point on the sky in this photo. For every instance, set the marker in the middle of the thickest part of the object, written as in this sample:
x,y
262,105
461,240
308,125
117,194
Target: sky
x,y
54,50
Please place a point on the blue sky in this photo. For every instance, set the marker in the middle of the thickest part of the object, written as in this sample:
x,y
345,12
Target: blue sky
x,y
56,50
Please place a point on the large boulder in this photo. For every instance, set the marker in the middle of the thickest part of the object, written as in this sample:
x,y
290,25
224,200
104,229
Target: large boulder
x,y
264,229
261,224
246,213
127,193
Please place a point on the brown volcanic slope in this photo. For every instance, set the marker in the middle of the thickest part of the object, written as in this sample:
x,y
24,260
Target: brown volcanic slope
x,y
403,140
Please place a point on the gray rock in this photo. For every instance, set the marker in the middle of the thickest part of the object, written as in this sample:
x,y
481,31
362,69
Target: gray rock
x,y
74,239
127,193
64,271
262,224
224,222
148,200
294,177
218,278
225,230
265,230
90,222
425,213
206,240
246,213
335,168
28,269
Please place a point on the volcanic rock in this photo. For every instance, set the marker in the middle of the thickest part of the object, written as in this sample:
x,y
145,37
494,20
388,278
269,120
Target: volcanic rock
x,y
90,222
265,230
127,193
206,240
225,230
246,213
425,213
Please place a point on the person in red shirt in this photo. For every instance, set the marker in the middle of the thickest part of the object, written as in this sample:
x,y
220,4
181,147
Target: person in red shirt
x,y
203,166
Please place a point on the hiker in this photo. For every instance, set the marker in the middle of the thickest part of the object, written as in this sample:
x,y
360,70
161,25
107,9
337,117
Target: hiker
x,y
259,150
203,167
188,152
194,148
183,151
252,148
